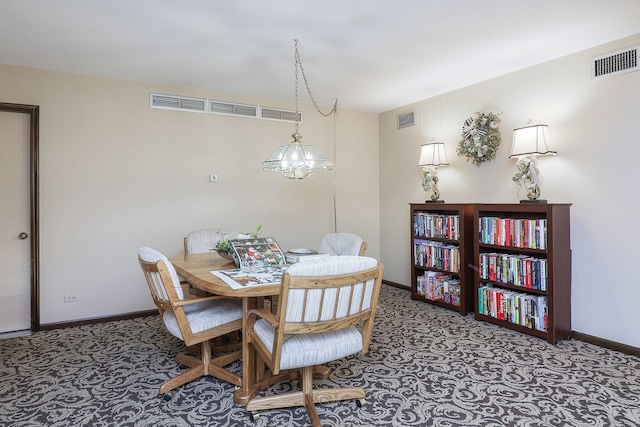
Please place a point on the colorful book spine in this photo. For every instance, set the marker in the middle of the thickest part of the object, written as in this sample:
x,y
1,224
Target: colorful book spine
x,y
438,226
514,307
517,270
513,232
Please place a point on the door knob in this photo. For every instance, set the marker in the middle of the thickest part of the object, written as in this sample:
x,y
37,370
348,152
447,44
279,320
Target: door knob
x,y
23,236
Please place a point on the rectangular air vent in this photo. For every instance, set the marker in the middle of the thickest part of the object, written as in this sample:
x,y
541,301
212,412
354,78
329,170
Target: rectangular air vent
x,y
283,115
230,109
408,119
181,103
619,62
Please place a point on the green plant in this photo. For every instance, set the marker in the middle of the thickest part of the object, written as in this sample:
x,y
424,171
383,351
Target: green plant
x,y
223,245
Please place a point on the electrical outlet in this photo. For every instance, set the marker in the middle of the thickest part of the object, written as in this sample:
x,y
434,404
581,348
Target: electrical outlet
x,y
71,298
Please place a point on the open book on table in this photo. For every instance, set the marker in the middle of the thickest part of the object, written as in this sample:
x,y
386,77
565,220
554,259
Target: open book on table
x,y
239,278
261,251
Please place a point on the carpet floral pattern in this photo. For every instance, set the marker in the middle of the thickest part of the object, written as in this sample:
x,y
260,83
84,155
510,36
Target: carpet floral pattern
x,y
426,367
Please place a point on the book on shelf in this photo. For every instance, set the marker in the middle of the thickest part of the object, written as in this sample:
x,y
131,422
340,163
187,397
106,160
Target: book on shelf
x,y
261,251
518,270
435,254
434,225
514,307
437,286
513,232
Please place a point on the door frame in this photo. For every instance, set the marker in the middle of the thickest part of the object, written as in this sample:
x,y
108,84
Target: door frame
x,y
34,138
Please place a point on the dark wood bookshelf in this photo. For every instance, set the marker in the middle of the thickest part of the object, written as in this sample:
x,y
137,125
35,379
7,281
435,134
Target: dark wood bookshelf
x,y
557,253
464,244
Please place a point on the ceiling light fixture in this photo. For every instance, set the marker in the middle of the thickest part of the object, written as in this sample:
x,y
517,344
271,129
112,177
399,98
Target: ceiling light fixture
x,y
297,160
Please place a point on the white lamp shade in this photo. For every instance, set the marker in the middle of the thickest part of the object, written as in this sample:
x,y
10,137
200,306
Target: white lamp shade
x,y
433,154
531,141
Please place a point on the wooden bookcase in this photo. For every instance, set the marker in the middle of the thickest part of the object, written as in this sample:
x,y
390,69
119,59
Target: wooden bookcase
x,y
442,253
522,261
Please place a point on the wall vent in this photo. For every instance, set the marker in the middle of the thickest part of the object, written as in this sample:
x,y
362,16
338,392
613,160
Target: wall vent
x,y
282,115
183,103
180,103
407,119
619,62
229,109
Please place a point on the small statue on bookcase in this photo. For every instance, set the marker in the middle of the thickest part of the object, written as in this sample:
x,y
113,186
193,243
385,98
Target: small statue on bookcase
x,y
529,178
429,176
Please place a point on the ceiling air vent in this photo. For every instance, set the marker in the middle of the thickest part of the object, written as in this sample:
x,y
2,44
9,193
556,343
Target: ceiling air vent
x,y
408,119
170,102
230,109
282,115
619,62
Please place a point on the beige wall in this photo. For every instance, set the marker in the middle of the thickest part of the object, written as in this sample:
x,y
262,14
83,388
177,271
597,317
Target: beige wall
x,y
593,127
117,175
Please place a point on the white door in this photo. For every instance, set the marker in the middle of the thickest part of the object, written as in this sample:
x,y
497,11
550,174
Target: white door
x,y
15,241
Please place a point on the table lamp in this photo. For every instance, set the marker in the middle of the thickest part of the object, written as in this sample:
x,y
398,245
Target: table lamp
x,y
529,142
432,155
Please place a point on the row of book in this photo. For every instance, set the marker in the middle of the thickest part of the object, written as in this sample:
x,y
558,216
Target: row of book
x,y
515,307
440,255
439,287
441,226
516,232
517,270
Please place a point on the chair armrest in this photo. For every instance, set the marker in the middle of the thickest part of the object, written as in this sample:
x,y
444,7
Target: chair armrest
x,y
189,301
261,313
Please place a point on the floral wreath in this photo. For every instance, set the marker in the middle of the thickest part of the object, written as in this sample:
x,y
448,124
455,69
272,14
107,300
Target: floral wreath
x,y
480,138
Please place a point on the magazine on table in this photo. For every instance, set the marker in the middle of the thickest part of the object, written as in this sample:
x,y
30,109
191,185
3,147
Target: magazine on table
x,y
261,251
239,278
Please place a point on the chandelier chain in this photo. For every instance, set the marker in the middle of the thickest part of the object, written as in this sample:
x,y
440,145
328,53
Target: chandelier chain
x,y
298,66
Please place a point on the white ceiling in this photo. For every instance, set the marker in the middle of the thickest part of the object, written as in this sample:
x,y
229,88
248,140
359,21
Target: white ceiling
x,y
373,55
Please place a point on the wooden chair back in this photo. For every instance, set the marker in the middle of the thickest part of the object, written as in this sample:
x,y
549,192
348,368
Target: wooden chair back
x,y
201,241
322,303
363,249
157,275
343,244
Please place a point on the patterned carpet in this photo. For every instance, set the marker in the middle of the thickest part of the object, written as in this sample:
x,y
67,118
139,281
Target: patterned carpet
x,y
427,367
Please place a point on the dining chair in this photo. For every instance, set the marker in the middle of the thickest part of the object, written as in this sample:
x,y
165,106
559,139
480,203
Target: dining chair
x,y
342,244
194,321
202,241
326,309
205,240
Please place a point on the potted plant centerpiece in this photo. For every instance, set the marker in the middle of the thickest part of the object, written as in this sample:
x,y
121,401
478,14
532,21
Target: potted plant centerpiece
x,y
224,248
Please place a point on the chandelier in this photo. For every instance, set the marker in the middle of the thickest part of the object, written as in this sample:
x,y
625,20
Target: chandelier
x,y
297,160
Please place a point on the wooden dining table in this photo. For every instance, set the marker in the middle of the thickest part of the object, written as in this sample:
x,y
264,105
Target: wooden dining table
x,y
196,269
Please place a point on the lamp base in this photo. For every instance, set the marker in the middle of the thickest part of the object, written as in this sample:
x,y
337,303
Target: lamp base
x,y
534,201
434,201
